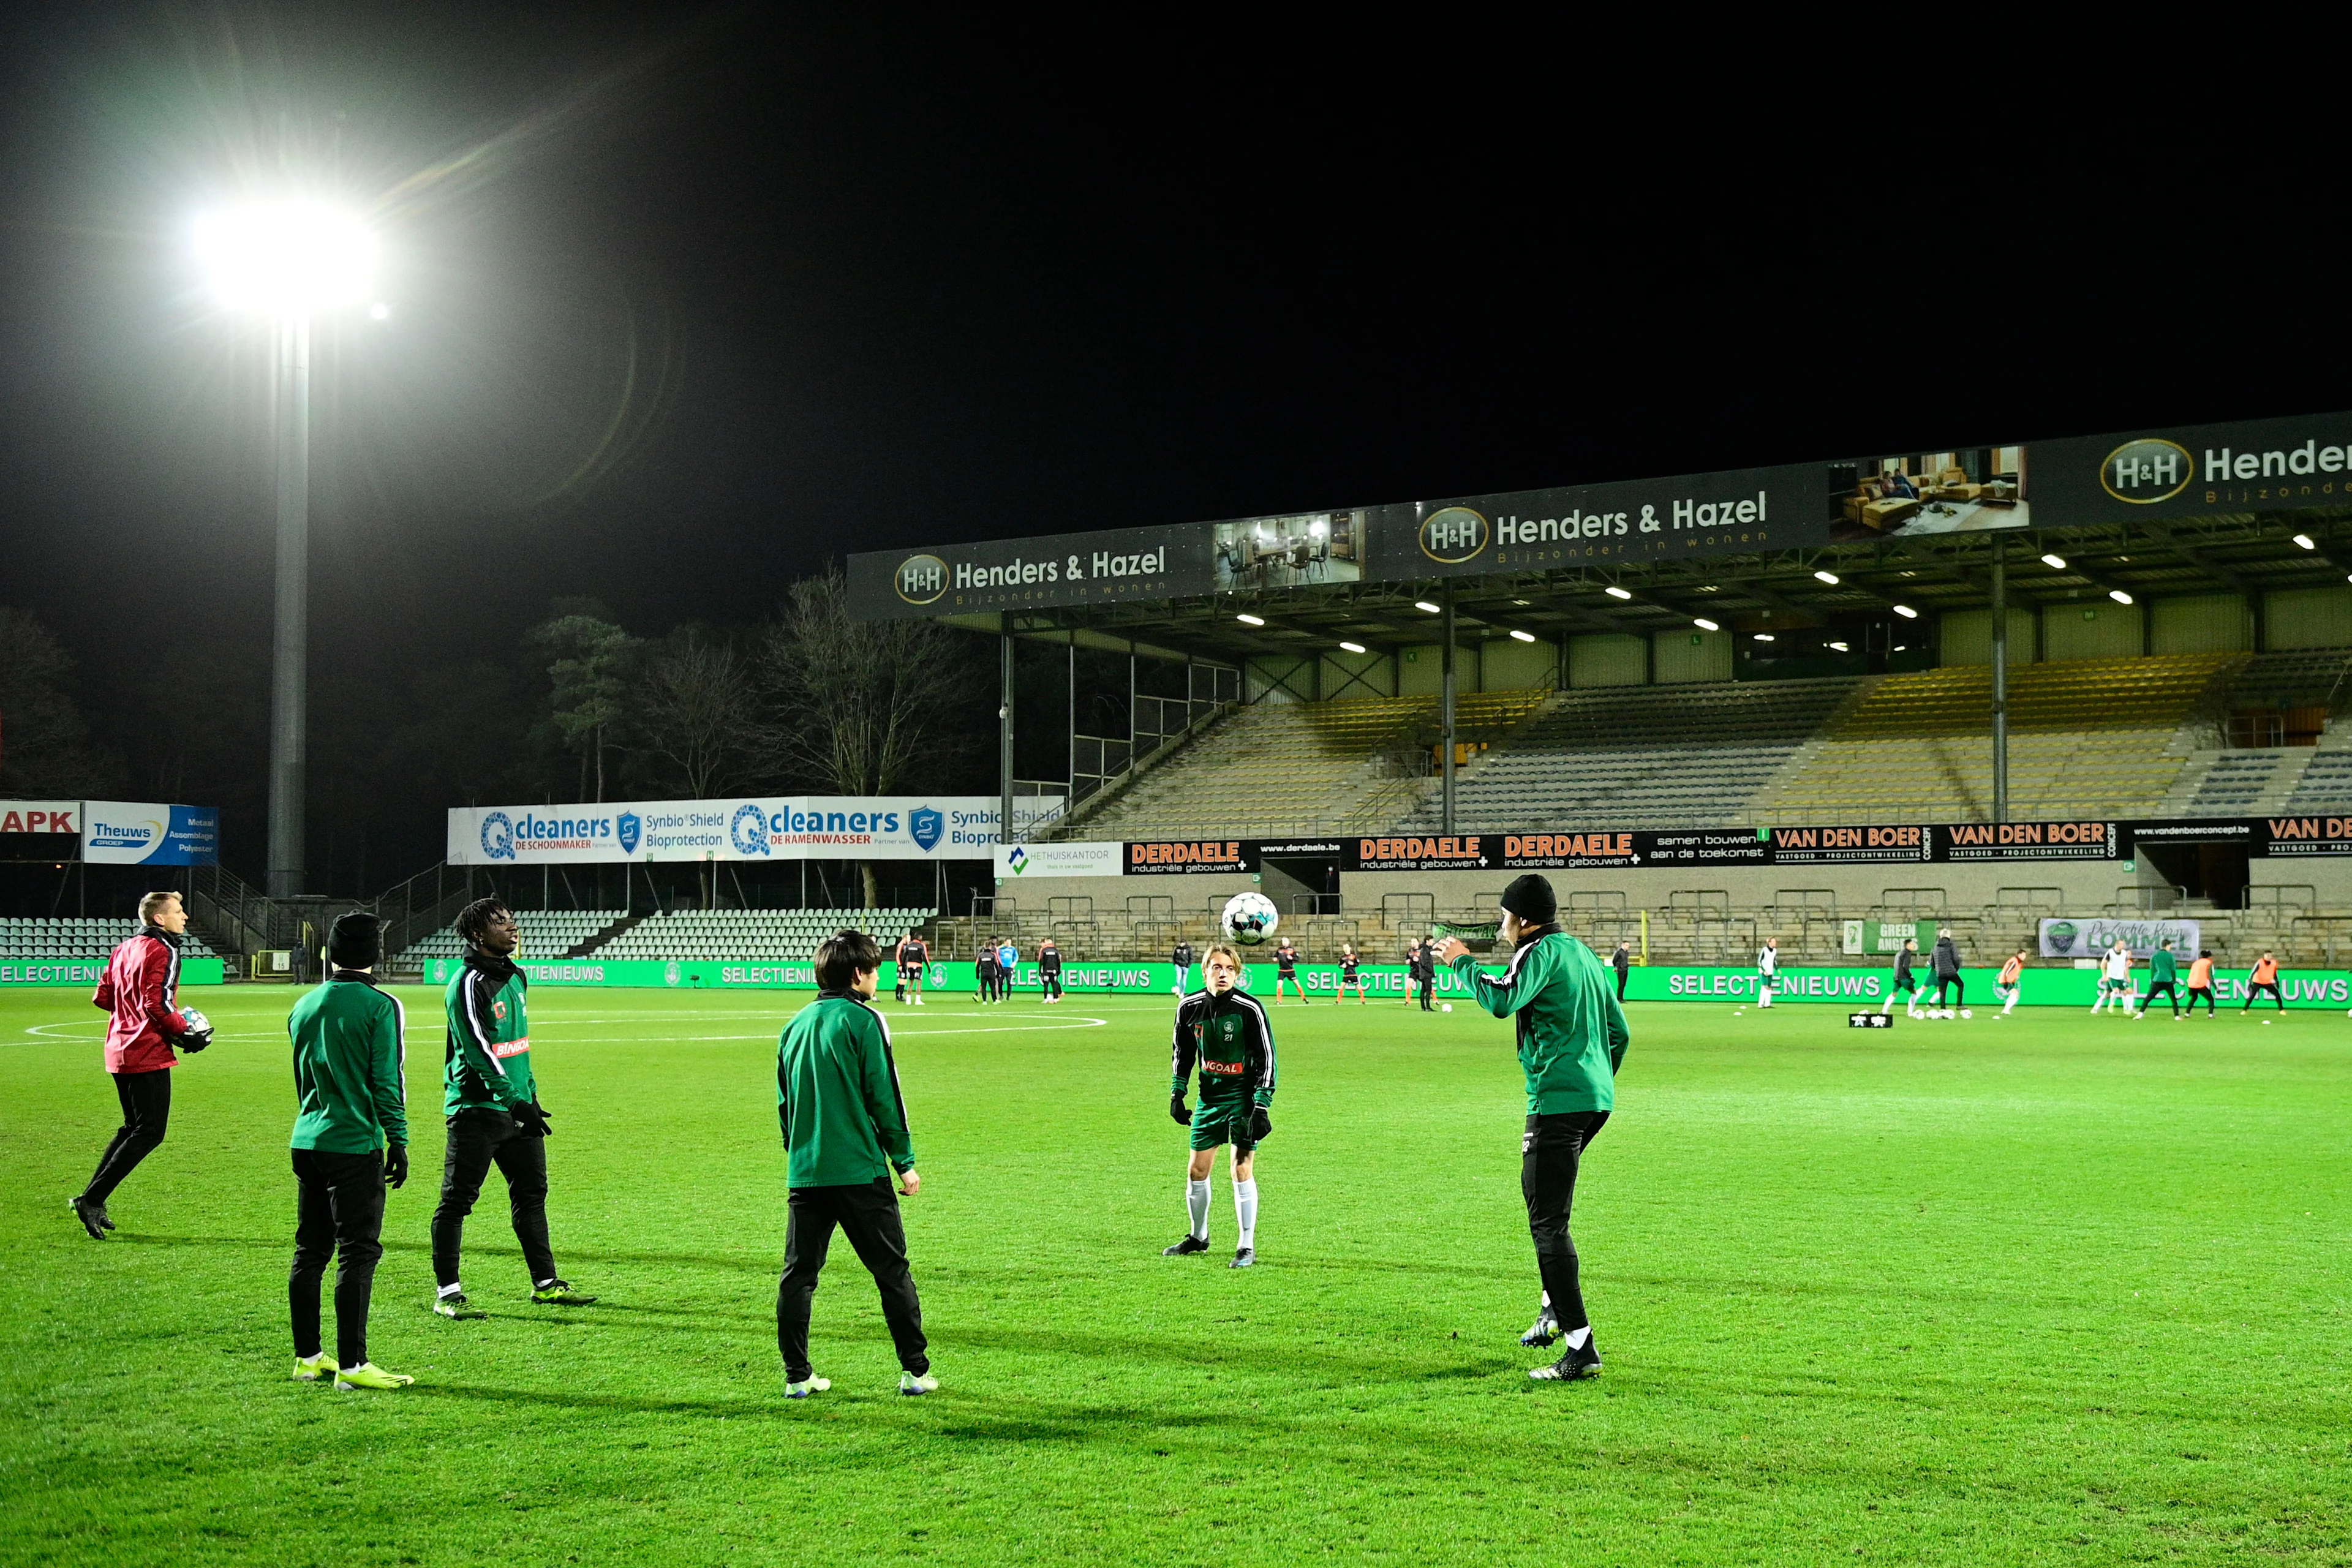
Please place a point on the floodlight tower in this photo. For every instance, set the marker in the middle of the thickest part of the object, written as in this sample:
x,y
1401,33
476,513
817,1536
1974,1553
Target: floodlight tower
x,y
289,260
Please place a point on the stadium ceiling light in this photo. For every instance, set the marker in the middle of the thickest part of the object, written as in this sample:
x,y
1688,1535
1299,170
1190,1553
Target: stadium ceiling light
x,y
2119,596
2055,562
1906,612
1522,636
1840,647
1763,636
1702,624
1250,620
1829,577
1425,604
1353,647
289,257
1614,591
2305,540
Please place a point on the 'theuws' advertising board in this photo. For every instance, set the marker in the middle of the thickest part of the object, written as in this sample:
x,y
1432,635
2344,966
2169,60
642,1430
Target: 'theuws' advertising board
x,y
148,833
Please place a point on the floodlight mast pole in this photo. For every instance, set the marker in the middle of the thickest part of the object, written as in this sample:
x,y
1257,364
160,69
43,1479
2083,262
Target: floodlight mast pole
x,y
290,646
2000,681
1446,718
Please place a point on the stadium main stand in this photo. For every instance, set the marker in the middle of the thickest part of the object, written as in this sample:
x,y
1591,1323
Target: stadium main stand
x,y
44,940
1281,768
2088,738
546,933
1652,757
712,935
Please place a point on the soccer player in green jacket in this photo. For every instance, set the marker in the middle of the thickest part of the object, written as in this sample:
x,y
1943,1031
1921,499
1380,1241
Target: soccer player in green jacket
x,y
492,1103
2163,975
845,1124
1572,1035
351,1141
1225,1031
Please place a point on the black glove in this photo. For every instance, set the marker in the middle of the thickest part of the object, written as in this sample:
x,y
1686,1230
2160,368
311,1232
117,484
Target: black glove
x,y
395,1165
532,1119
191,1043
199,1034
1260,1123
1176,1111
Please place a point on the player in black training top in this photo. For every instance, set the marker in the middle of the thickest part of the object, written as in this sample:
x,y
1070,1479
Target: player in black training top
x,y
1182,958
1049,971
1349,965
1285,958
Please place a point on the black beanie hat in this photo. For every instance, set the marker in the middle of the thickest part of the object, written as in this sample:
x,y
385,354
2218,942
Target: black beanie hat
x,y
1530,897
356,940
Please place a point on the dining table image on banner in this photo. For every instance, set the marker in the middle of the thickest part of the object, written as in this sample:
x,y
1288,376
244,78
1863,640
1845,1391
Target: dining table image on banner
x,y
794,827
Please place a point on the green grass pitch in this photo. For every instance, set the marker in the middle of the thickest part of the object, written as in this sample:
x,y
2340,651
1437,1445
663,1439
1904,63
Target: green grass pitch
x,y
2047,1290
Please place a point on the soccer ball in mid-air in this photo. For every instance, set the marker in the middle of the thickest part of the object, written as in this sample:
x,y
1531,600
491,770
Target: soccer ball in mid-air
x,y
1250,918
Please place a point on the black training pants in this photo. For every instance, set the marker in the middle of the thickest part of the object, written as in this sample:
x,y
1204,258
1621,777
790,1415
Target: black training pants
x,y
1049,984
2256,990
1956,984
479,1139
1428,987
868,1213
2165,987
2205,992
1621,983
146,1098
340,1215
1550,1152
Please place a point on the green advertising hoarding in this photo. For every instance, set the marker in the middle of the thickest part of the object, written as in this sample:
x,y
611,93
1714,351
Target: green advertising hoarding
x,y
81,971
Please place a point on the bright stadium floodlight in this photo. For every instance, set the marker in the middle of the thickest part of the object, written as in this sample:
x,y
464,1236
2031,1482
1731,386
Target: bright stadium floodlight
x,y
2305,540
1763,636
2119,596
1351,647
1906,612
1425,604
1522,636
1702,624
1614,591
1829,577
1250,620
2055,562
1840,647
287,258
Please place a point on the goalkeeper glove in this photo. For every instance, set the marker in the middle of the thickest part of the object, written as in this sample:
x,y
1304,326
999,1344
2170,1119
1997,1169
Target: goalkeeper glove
x,y
395,1165
532,1119
199,1032
1177,1112
1260,1123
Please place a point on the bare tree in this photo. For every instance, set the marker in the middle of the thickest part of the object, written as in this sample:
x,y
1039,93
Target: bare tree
x,y
695,713
858,707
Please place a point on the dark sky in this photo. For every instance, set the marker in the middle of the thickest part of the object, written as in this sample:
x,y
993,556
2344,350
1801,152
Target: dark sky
x,y
696,300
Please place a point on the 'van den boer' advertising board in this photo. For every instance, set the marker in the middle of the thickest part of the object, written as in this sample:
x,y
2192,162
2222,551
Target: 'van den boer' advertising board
x,y
146,832
801,827
1024,573
2027,841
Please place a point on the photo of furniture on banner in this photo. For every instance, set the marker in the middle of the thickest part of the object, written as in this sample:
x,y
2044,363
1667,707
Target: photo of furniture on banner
x,y
1285,551
1928,492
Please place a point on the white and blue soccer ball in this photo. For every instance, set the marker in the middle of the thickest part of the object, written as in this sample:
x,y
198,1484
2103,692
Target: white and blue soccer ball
x,y
1250,918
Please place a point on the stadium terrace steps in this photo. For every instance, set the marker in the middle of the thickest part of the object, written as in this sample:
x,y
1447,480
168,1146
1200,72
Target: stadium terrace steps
x,y
702,936
2246,782
2088,737
1649,757
546,933
79,940
1303,767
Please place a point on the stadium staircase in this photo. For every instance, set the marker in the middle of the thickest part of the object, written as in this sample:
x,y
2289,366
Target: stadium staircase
x,y
1648,756
2088,737
1286,768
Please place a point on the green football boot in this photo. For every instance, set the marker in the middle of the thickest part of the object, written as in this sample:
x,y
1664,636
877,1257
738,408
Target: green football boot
x,y
367,1375
918,1383
560,1293
314,1368
807,1386
457,1305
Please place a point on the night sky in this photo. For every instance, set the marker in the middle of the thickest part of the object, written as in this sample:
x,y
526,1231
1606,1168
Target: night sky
x,y
685,303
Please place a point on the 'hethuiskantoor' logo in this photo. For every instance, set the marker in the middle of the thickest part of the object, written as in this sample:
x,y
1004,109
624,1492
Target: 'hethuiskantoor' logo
x,y
2147,471
497,836
922,579
1454,535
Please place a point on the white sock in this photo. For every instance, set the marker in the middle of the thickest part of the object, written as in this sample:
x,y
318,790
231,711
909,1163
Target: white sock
x,y
1888,1006
1245,1211
1576,1338
1196,1204
447,1291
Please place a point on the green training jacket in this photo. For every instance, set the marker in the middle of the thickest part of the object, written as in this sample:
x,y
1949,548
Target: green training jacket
x,y
1571,1032
489,1038
837,1099
2161,966
350,1067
